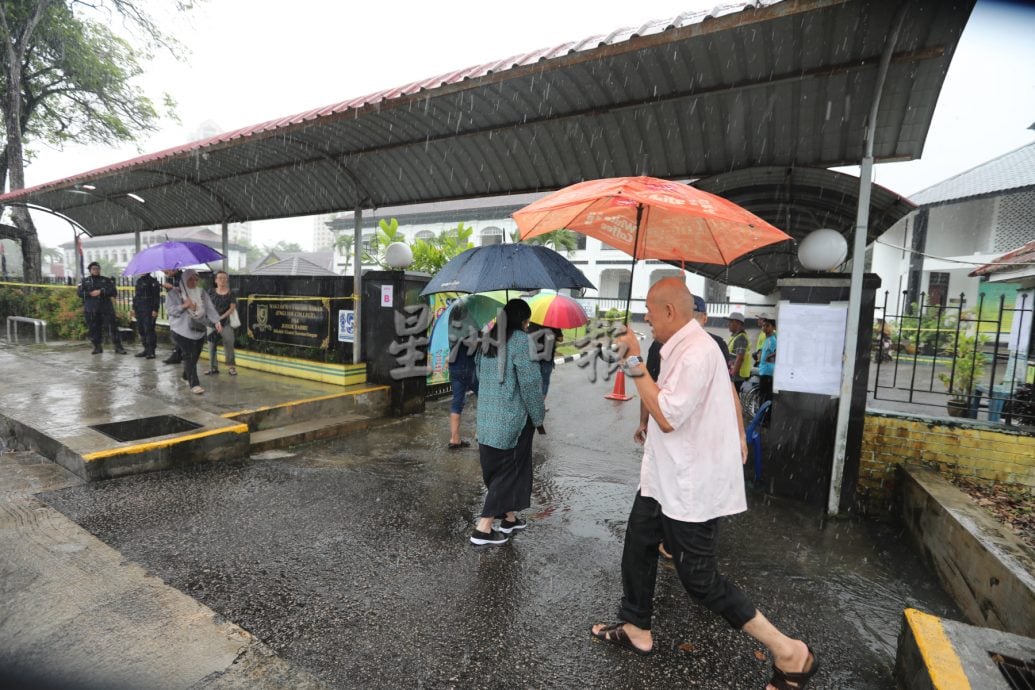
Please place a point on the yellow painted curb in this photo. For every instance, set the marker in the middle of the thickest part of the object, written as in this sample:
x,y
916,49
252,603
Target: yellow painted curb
x,y
303,401
144,447
322,372
940,658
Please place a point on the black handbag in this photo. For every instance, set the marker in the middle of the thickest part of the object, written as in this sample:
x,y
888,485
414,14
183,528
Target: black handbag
x,y
198,325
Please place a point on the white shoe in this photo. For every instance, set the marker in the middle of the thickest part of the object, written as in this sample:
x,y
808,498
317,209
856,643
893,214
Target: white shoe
x,y
197,390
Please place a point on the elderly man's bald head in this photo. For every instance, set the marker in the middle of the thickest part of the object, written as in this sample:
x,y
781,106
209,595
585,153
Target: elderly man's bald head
x,y
675,292
670,306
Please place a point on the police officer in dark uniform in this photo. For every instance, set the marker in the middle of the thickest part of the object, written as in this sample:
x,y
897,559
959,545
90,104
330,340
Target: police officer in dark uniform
x,y
172,281
96,291
146,301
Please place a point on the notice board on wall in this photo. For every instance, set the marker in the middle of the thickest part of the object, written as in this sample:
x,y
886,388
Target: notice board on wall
x,y
810,346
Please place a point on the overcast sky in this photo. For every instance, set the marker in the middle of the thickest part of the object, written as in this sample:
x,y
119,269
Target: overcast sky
x,y
244,65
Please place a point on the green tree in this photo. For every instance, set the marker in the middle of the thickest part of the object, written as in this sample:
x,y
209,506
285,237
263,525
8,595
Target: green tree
x,y
68,77
429,256
561,241
251,253
456,240
283,246
108,267
343,244
386,233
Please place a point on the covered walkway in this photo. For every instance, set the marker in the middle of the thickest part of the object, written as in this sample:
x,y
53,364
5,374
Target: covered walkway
x,y
766,84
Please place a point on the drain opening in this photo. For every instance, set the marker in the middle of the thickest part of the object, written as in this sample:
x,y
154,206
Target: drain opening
x,y
147,427
1019,674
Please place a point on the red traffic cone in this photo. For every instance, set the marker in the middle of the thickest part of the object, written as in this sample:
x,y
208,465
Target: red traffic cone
x,y
618,392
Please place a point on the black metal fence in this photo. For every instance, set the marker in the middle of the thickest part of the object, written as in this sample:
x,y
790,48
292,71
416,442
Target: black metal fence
x,y
948,359
124,289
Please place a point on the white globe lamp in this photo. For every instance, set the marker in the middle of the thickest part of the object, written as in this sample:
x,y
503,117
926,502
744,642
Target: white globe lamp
x,y
823,250
398,255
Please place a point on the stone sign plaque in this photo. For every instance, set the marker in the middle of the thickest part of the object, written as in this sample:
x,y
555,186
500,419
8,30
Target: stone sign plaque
x,y
301,321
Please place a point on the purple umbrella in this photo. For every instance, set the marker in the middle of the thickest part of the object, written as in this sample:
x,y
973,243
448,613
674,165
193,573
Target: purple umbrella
x,y
169,255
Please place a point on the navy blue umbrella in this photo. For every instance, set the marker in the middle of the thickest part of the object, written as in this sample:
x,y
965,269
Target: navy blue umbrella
x,y
507,267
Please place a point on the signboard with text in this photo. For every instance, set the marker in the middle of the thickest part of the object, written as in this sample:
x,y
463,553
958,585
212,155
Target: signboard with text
x,y
303,321
346,326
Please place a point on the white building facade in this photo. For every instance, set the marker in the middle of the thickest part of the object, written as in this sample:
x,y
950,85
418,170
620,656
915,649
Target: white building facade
x,y
606,267
961,223
117,250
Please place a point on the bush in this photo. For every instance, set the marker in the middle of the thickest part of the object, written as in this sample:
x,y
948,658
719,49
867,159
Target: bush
x,y
967,369
930,331
60,307
615,315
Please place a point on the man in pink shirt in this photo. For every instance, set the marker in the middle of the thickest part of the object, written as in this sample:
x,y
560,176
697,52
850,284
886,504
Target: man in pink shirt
x,y
690,477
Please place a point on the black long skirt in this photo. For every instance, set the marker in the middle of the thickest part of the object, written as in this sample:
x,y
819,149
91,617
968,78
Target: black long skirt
x,y
508,475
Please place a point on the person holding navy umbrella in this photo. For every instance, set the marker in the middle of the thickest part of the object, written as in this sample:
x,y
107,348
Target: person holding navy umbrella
x,y
510,409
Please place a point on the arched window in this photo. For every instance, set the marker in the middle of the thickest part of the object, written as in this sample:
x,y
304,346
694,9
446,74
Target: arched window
x,y
491,235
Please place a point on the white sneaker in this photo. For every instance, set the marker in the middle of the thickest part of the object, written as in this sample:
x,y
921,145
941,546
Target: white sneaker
x,y
197,390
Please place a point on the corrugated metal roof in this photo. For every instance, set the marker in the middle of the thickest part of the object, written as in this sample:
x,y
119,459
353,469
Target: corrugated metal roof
x,y
295,266
763,84
754,84
1010,172
797,200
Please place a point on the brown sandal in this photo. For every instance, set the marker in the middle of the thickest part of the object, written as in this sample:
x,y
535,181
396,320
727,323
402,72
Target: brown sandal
x,y
615,634
782,680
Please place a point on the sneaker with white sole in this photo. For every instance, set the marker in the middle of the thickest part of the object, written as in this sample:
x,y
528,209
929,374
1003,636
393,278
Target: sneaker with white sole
x,y
491,537
506,526
197,390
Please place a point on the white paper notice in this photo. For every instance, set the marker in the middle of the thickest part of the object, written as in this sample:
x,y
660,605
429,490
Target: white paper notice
x,y
810,347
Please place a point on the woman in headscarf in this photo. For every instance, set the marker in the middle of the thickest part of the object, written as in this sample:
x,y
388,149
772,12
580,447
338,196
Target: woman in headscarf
x,y
510,408
190,312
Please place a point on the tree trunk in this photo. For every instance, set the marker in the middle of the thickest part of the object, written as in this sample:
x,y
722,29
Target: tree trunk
x,y
15,47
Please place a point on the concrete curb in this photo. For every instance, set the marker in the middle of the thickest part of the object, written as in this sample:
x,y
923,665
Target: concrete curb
x,y
984,567
940,654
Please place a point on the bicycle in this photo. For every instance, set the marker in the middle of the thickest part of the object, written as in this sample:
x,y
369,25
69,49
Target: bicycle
x,y
750,395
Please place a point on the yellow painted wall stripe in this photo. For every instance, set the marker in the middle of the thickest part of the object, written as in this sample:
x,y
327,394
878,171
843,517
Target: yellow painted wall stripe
x,y
940,658
154,445
292,403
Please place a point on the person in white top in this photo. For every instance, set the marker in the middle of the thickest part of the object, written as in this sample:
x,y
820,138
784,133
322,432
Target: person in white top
x,y
690,477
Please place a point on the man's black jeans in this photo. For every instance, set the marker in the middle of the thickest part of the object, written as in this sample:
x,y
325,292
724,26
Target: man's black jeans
x,y
692,545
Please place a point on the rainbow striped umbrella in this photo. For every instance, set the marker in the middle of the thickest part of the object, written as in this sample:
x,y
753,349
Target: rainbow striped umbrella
x,y
556,311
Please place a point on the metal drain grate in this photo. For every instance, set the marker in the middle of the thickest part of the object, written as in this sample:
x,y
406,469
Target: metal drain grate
x,y
148,427
1019,674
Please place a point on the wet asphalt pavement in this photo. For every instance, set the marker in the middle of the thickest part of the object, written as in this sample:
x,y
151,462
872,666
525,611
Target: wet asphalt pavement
x,y
350,559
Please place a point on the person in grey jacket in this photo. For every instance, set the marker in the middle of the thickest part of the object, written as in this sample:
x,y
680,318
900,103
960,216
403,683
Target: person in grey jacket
x,y
191,311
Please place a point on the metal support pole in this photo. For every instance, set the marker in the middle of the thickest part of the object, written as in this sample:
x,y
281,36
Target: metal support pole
x,y
226,246
862,221
136,241
75,255
357,284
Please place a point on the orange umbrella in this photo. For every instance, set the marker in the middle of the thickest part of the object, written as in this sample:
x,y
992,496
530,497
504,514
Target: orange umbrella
x,y
650,218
